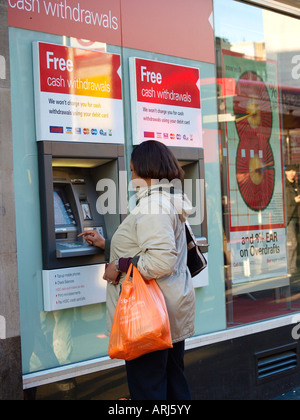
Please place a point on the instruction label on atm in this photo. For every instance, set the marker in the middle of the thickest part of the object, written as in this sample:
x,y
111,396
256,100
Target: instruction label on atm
x,y
73,287
78,94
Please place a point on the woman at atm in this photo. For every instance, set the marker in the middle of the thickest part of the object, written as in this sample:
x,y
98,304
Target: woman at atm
x,y
156,245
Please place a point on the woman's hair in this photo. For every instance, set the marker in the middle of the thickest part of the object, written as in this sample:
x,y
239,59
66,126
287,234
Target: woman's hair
x,y
152,159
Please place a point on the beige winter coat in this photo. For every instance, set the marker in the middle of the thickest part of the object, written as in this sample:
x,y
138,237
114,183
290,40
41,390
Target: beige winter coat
x,y
155,232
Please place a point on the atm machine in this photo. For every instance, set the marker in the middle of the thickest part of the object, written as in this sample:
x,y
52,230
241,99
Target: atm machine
x,y
71,204
166,107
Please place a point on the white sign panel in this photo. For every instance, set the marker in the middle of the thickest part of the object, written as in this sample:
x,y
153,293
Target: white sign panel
x,y
165,103
78,94
73,287
257,254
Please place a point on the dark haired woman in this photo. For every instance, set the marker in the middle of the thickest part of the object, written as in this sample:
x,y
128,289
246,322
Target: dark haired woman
x,y
152,237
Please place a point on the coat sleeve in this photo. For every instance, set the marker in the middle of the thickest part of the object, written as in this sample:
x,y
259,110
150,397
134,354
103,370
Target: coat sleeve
x,y
156,240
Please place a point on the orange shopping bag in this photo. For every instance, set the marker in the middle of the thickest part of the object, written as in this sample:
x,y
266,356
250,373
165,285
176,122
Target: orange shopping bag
x,y
141,323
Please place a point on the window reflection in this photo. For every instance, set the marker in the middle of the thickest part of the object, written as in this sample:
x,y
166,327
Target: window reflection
x,y
258,70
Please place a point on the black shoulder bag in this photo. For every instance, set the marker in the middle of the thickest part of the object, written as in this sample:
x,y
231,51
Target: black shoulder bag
x,y
196,261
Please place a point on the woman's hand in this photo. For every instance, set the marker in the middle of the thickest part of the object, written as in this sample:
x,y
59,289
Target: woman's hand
x,y
93,237
112,275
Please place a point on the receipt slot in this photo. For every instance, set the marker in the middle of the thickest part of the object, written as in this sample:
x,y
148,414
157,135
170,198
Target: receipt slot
x,y
70,204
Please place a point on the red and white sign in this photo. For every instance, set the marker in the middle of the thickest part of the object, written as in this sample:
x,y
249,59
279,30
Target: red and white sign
x,y
86,19
173,27
181,28
78,94
166,103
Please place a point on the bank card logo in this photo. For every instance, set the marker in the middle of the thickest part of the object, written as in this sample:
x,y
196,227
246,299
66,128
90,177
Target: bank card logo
x,y
56,129
149,135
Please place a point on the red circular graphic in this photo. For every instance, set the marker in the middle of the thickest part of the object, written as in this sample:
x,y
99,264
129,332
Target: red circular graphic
x,y
255,173
255,167
252,107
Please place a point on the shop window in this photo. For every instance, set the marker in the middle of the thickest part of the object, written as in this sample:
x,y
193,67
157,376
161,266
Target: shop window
x,y
258,74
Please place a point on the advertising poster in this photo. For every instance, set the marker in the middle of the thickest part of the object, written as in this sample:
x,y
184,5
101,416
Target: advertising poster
x,y
165,103
255,170
78,94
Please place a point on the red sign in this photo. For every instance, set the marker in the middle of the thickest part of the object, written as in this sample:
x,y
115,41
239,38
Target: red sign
x,y
166,103
182,28
78,94
173,27
163,83
88,19
75,71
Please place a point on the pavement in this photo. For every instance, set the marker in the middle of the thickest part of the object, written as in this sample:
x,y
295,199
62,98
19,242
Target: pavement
x,y
289,396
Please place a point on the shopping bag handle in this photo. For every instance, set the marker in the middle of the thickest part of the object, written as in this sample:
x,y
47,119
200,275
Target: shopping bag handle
x,y
129,272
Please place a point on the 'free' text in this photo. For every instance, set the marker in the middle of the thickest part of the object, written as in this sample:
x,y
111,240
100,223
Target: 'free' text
x,y
58,63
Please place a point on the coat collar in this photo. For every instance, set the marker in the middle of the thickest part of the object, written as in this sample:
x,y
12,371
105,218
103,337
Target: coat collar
x,y
154,188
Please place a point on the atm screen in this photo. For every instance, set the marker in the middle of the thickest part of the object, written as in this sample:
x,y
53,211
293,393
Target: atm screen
x,y
63,214
67,243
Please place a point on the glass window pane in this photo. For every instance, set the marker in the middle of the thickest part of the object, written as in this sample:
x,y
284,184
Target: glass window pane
x,y
258,71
